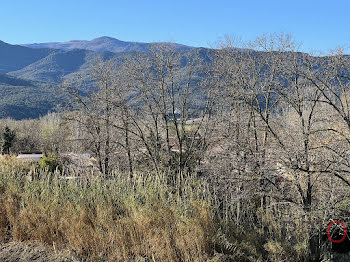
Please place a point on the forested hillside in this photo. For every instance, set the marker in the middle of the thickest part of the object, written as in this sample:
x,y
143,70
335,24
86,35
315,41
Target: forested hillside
x,y
14,57
29,88
47,68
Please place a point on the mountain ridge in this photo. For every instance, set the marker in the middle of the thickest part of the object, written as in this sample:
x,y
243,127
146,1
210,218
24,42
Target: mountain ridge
x,y
104,43
28,76
15,57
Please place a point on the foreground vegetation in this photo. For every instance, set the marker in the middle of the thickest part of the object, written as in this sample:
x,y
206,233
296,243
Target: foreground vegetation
x,y
144,218
116,219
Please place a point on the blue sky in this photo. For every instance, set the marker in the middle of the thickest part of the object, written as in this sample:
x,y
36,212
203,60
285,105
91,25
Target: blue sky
x,y
319,25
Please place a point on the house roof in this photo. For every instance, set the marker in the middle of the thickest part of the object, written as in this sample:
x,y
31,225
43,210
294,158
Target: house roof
x,y
30,157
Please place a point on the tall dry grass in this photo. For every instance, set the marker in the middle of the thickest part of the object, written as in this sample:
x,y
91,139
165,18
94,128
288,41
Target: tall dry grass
x,y
144,218
120,219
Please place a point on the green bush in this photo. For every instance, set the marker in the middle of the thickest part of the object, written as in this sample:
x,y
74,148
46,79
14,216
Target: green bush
x,y
49,162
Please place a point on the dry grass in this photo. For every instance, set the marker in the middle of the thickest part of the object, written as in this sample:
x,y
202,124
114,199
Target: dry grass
x,y
138,219
23,252
114,220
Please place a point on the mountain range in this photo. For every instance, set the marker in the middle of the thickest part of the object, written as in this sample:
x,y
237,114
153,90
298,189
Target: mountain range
x,y
30,72
102,44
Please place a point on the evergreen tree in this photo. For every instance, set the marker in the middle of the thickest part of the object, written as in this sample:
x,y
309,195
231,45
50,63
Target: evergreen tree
x,y
8,137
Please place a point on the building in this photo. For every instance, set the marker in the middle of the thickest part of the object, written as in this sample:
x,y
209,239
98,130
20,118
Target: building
x,y
32,157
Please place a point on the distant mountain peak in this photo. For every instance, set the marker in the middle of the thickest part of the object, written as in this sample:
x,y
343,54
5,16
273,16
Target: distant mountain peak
x,y
105,38
100,44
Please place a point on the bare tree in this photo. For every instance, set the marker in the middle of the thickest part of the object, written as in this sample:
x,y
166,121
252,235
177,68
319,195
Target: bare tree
x,y
175,107
281,93
91,100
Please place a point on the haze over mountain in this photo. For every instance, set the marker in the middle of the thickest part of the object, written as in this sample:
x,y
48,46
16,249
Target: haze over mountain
x,y
101,44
